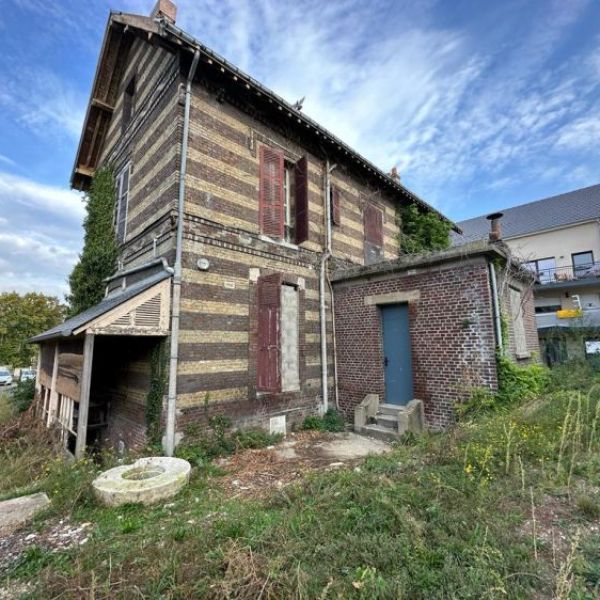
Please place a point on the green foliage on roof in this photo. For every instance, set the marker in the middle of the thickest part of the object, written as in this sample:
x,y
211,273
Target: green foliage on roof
x,y
422,231
98,258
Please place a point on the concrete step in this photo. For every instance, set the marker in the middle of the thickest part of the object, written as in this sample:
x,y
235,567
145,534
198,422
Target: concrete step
x,y
380,433
387,420
390,409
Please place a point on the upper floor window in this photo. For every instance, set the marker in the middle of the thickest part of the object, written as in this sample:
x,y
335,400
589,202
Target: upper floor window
x,y
128,102
543,268
335,199
283,196
373,225
582,262
122,189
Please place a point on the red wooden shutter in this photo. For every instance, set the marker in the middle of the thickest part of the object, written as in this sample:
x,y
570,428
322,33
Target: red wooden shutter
x,y
270,196
301,176
269,337
336,200
373,222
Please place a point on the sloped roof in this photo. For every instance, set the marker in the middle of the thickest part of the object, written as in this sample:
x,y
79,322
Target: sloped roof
x,y
161,30
110,302
573,207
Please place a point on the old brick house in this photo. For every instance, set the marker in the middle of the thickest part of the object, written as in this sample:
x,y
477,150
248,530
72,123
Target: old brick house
x,y
231,206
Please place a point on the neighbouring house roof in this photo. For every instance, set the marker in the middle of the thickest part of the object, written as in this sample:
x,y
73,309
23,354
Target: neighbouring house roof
x,y
163,32
566,209
114,299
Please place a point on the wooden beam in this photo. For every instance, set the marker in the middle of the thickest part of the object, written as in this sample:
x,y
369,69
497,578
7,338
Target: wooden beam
x,y
102,105
84,398
52,406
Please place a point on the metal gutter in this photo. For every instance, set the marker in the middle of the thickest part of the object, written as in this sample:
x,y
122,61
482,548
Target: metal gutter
x,y
176,305
496,307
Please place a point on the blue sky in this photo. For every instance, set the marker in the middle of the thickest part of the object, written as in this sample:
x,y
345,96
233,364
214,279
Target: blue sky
x,y
480,105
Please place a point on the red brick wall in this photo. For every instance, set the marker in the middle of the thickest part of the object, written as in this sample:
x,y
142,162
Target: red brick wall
x,y
452,336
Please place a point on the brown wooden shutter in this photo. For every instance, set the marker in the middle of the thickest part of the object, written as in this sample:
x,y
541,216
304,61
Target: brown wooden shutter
x,y
269,335
336,201
270,197
373,222
301,176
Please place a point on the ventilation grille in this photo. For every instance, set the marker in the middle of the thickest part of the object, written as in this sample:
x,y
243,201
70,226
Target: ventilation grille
x,y
146,314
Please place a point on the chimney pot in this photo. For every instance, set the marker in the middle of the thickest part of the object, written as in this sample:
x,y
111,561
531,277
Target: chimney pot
x,y
495,227
166,9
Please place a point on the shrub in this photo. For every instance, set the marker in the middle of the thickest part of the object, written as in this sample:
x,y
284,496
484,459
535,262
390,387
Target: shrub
x,y
517,383
22,396
332,420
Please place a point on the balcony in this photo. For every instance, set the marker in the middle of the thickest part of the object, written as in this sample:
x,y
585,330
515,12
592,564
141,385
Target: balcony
x,y
588,318
557,275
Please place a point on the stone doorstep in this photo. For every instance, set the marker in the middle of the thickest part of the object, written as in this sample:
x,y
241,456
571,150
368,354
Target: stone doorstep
x,y
18,511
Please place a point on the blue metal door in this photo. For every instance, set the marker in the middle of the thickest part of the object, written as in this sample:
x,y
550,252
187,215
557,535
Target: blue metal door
x,y
396,354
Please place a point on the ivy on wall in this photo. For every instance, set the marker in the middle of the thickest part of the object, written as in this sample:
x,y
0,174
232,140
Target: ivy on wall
x,y
98,258
154,399
422,231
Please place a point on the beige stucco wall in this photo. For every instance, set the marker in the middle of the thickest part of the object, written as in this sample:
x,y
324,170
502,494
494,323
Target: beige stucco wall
x,y
559,243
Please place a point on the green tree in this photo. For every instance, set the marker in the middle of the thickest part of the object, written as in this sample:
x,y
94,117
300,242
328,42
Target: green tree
x,y
22,317
98,258
422,231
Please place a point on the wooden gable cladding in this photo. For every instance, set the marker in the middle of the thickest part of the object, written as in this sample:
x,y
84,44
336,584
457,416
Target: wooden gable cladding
x,y
145,314
271,192
269,334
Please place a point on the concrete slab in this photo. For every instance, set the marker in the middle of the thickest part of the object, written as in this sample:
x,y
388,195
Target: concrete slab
x,y
350,446
18,511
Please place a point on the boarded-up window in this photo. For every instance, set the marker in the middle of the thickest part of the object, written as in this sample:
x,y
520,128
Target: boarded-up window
x,y
122,189
271,192
290,377
336,202
518,326
373,225
269,333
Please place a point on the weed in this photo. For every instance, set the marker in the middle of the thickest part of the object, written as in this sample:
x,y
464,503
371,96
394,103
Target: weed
x,y
332,420
588,507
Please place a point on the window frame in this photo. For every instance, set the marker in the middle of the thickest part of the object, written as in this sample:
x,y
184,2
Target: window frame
x,y
578,268
289,201
119,203
551,271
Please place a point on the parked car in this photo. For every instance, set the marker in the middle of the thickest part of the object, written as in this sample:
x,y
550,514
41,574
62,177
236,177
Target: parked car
x,y
27,374
5,377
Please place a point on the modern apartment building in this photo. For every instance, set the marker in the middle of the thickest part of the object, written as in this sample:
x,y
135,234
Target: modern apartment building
x,y
557,238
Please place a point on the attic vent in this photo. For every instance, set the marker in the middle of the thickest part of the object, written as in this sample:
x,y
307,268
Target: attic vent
x,y
123,321
148,313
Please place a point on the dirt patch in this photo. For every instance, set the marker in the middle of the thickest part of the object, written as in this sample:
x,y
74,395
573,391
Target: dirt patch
x,y
255,472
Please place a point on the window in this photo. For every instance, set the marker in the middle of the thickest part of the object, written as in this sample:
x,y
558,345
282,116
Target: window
x,y
548,308
278,335
128,101
122,189
518,327
582,261
373,226
543,268
283,196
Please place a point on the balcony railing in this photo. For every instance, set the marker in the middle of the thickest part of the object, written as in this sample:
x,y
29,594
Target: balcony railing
x,y
569,273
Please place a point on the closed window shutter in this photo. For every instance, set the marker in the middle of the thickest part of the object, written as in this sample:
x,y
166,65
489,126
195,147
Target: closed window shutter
x,y
301,176
270,195
336,200
269,334
373,222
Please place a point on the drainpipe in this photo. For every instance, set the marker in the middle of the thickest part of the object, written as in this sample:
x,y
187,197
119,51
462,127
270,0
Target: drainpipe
x,y
496,307
322,286
176,306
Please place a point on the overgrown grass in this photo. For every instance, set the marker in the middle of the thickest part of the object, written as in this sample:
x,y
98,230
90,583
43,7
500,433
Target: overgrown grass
x,y
453,515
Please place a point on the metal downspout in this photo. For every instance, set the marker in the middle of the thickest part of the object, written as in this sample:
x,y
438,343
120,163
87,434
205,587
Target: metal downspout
x,y
176,306
496,308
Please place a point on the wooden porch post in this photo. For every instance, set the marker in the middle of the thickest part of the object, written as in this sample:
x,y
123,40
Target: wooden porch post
x,y
53,404
84,398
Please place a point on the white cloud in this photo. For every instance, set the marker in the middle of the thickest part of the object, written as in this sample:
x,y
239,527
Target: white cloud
x,y
40,235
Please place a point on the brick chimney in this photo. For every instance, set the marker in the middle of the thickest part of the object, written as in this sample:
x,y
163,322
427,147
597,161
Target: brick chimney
x,y
495,227
166,9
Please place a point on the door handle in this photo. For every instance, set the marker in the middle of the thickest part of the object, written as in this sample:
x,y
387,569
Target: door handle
x,y
386,361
